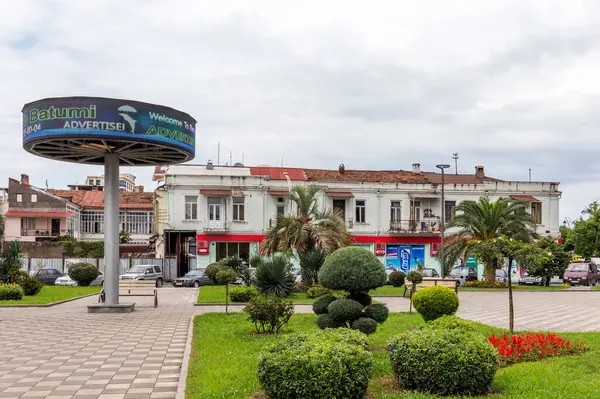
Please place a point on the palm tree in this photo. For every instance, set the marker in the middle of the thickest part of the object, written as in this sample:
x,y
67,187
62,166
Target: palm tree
x,y
309,228
485,220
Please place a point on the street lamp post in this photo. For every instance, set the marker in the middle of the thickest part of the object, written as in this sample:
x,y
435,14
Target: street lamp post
x,y
443,227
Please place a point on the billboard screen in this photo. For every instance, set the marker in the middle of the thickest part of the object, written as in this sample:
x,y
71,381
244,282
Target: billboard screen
x,y
404,257
108,119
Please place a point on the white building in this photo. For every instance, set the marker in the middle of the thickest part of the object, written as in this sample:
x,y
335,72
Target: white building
x,y
210,212
96,183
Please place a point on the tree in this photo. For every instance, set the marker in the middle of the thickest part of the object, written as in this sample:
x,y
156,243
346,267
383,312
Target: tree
x,y
502,248
566,234
310,264
124,237
226,276
10,265
556,265
308,229
485,220
585,236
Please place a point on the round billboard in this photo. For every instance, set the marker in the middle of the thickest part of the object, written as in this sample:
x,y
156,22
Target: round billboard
x,y
84,129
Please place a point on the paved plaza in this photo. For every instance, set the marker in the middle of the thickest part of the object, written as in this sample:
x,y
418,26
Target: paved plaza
x,y
64,352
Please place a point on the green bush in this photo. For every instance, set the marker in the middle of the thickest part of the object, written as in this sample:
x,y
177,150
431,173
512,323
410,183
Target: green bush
x,y
325,321
242,294
275,277
435,301
226,275
31,284
378,312
352,269
362,297
321,304
345,310
364,325
347,336
83,273
212,270
9,292
415,277
315,366
269,313
443,362
485,284
453,323
316,291
396,278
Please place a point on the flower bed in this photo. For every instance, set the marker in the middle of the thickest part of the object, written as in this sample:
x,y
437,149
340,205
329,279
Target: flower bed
x,y
484,284
532,346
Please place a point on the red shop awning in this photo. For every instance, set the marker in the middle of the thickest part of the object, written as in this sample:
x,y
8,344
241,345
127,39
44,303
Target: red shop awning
x,y
337,194
37,214
528,198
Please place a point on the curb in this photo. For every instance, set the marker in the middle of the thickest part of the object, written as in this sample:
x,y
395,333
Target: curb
x,y
187,353
47,305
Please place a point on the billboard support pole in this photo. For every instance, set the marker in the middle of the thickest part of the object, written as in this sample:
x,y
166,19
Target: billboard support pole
x,y
111,228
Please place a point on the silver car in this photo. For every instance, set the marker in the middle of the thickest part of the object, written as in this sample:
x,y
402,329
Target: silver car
x,y
144,272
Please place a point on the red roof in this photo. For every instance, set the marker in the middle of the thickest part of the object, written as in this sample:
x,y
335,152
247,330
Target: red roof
x,y
95,199
373,176
528,198
450,178
275,173
37,214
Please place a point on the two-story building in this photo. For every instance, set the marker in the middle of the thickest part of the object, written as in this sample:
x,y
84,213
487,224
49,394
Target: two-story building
x,y
210,212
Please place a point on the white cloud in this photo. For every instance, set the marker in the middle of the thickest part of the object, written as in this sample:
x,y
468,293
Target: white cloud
x,y
508,84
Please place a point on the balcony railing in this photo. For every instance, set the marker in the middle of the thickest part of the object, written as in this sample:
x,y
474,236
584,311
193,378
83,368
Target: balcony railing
x,y
216,226
45,232
414,226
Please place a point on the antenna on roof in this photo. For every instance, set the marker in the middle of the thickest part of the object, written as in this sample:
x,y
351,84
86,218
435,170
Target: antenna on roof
x,y
230,160
455,157
529,174
218,152
47,183
282,162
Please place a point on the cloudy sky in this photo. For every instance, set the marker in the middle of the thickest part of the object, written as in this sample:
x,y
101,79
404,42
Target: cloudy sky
x,y
510,85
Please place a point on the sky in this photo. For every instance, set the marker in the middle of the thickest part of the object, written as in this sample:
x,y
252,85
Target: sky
x,y
510,85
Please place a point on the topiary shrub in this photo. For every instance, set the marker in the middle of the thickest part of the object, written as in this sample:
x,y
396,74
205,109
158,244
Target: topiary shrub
x,y
352,269
435,301
9,292
378,312
31,285
443,362
396,279
316,291
269,313
452,323
318,366
212,270
364,325
321,304
415,277
345,310
83,273
242,294
362,297
275,277
325,321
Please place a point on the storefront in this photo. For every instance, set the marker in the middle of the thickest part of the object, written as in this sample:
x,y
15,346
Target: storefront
x,y
214,247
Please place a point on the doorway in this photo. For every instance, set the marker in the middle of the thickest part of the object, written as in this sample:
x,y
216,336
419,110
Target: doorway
x,y
339,205
55,223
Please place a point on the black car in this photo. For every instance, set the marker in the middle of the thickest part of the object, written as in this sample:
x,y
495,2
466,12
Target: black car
x,y
47,276
463,273
193,278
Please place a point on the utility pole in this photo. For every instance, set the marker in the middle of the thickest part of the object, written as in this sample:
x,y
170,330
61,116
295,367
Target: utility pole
x,y
443,227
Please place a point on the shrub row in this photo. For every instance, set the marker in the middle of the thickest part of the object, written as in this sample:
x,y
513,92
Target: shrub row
x,y
10,292
485,284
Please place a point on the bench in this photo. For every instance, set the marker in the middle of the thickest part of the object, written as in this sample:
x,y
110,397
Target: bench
x,y
135,288
429,282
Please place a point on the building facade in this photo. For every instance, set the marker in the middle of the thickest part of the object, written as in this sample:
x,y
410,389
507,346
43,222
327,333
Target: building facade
x,y
96,183
211,212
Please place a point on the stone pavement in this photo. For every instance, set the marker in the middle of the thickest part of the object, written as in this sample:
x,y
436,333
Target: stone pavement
x,y
64,352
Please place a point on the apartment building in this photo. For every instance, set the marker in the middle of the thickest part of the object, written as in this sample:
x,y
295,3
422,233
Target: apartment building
x,y
210,212
96,183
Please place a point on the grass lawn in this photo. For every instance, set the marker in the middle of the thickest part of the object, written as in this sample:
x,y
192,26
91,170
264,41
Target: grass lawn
x,y
225,356
52,293
216,294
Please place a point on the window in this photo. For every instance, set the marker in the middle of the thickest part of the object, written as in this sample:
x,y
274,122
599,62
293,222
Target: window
x,y
449,210
33,197
214,209
238,208
361,211
137,222
191,207
536,212
396,211
280,210
19,197
228,249
31,223
92,222
97,182
91,182
156,269
415,211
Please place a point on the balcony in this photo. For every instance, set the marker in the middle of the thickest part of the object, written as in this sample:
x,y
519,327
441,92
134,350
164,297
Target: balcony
x,y
45,232
212,226
415,227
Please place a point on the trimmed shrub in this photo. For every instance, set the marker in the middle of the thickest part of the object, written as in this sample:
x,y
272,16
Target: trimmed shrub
x,y
31,284
352,269
316,366
321,304
226,275
378,312
452,323
9,292
485,284
275,277
242,294
396,278
316,291
443,362
325,321
269,313
364,325
83,273
349,337
362,297
435,301
345,310
212,270
415,277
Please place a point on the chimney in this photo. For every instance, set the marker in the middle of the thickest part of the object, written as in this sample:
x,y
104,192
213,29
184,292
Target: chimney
x,y
479,171
416,167
24,179
342,169
139,189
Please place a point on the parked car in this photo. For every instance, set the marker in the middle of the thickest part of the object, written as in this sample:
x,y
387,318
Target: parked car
x,y
66,280
193,278
501,276
526,279
144,272
581,273
463,273
47,276
428,272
